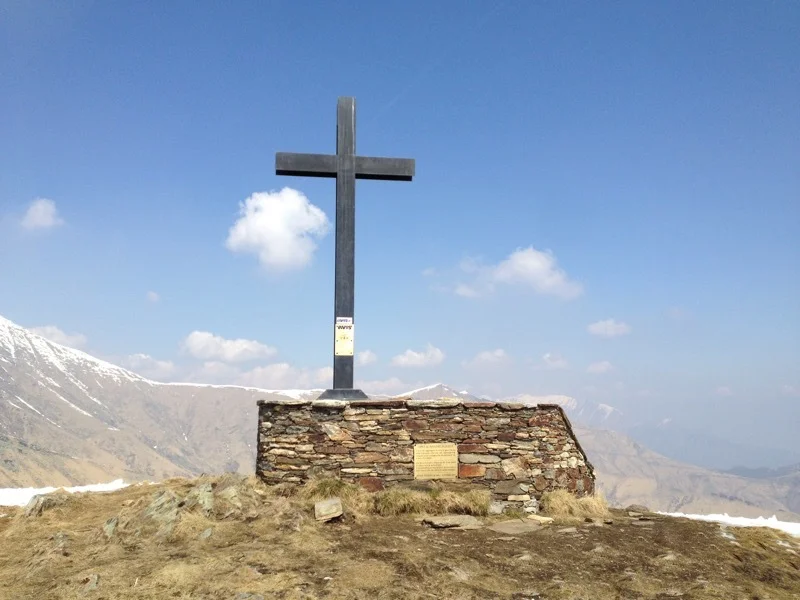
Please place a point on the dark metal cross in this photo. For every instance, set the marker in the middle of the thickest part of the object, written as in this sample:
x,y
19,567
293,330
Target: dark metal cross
x,y
346,167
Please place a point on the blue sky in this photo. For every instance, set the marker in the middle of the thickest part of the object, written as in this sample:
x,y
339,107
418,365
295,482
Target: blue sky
x,y
576,164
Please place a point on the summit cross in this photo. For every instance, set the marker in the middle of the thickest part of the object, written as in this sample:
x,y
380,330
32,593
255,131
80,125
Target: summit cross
x,y
345,167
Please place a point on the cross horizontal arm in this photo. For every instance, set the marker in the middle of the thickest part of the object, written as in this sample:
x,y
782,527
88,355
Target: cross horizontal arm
x,y
310,165
395,169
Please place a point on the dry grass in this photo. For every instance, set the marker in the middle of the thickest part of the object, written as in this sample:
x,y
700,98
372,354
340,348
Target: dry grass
x,y
397,500
560,504
265,541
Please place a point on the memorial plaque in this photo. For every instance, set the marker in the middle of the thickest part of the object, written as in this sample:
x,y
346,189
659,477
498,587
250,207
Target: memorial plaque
x,y
435,461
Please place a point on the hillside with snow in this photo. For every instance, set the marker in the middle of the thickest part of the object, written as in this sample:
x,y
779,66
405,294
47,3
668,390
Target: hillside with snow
x,y
68,417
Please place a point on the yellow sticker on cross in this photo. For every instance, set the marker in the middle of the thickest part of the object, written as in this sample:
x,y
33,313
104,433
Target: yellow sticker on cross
x,y
343,340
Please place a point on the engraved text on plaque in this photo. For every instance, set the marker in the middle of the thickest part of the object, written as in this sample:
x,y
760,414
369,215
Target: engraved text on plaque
x,y
435,461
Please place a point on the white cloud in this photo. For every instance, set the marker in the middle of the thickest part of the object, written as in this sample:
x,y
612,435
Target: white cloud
x,y
466,291
275,376
281,228
384,386
214,372
602,366
280,376
487,357
54,334
207,346
153,297
149,367
538,270
723,390
553,361
609,328
367,357
41,214
528,267
790,390
429,272
410,358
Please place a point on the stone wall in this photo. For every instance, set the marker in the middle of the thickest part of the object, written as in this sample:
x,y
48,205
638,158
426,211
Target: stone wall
x,y
517,451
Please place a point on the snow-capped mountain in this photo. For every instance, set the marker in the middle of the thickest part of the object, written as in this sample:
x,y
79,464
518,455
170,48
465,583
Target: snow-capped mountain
x,y
68,417
583,412
580,411
437,390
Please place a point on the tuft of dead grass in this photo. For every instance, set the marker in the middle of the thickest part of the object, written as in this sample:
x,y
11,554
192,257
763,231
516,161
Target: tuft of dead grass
x,y
356,501
396,500
561,504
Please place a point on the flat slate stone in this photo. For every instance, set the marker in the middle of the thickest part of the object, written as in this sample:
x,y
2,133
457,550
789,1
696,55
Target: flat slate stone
x,y
510,405
329,404
541,519
440,403
511,486
515,527
325,510
378,403
568,530
453,522
283,402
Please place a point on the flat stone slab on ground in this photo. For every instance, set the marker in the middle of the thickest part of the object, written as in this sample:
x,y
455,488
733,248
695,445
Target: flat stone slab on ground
x,y
325,510
540,519
643,523
568,530
453,522
515,527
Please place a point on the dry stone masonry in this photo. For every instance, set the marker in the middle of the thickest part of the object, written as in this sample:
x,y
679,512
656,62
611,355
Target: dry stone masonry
x,y
516,451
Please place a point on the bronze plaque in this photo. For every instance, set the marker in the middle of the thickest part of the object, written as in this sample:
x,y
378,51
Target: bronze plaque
x,y
435,461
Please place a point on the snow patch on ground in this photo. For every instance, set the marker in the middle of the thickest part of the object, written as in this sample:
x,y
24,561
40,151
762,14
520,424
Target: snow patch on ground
x,y
790,528
21,496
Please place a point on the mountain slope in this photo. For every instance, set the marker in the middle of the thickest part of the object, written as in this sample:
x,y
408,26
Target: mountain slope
x,y
629,473
60,402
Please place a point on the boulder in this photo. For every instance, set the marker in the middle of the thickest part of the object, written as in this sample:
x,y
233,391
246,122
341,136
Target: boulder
x,y
497,508
43,502
531,506
110,527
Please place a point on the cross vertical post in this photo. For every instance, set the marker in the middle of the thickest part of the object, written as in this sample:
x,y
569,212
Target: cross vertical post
x,y
346,167
344,274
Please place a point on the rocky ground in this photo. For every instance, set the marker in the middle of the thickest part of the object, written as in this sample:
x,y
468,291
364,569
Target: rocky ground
x,y
233,538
